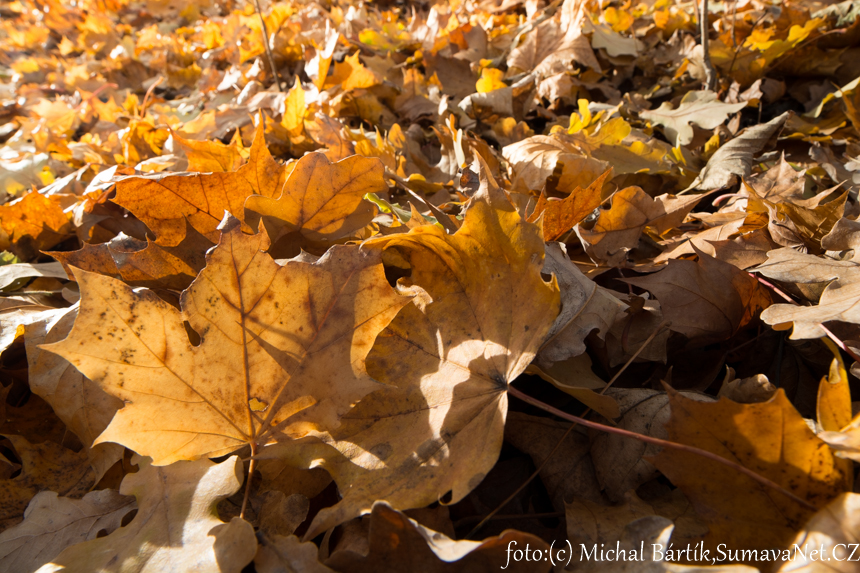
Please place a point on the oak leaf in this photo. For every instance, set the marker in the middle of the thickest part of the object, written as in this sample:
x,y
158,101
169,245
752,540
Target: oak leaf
x,y
281,348
701,108
176,528
837,302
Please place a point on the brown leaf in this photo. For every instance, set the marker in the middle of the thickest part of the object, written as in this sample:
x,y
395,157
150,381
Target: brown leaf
x,y
707,300
769,438
163,202
281,348
38,217
45,466
52,523
398,543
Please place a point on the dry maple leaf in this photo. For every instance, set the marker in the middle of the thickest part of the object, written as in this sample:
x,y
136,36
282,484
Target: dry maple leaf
x,y
38,217
84,407
52,523
176,528
321,200
534,159
769,438
281,348
164,201
707,300
438,424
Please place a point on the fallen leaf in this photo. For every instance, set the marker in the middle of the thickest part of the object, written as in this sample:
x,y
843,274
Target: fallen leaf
x,y
398,543
9,274
734,159
52,523
322,201
559,217
707,300
446,363
163,201
176,528
769,438
701,108
281,348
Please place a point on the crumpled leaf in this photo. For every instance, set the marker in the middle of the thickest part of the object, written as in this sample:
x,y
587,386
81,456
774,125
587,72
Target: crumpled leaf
x,y
52,523
769,438
281,348
398,543
279,553
164,201
734,159
535,159
585,306
176,528
437,426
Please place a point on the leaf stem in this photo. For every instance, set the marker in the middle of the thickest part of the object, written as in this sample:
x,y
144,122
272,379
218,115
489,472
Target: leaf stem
x,y
664,443
537,471
251,467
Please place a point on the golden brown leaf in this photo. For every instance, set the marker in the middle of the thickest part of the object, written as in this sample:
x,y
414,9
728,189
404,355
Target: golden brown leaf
x,y
322,201
35,216
559,217
437,425
769,438
281,348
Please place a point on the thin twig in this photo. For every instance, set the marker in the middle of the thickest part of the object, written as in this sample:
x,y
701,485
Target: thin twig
x,y
710,72
537,471
149,92
275,74
664,443
838,341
